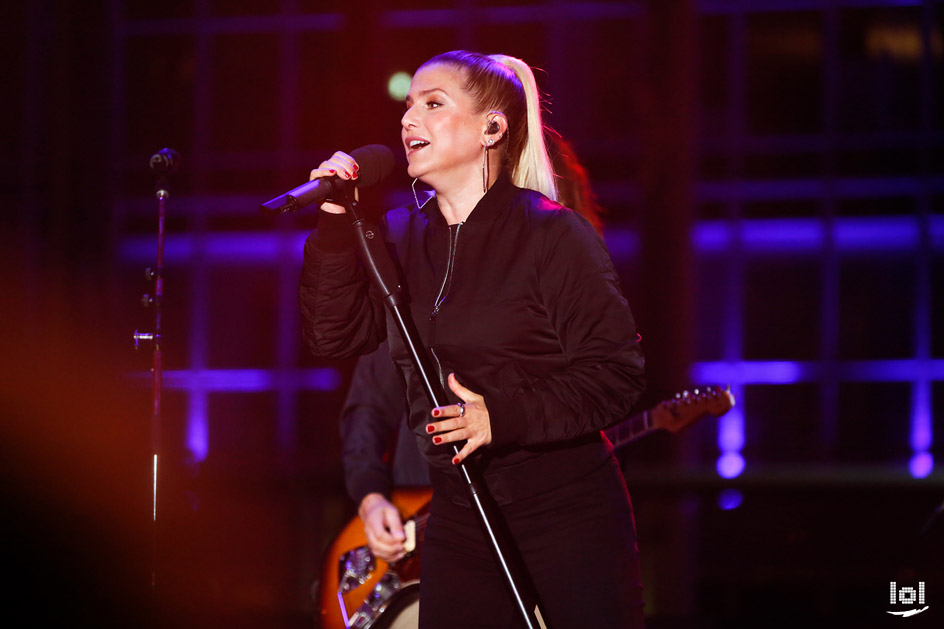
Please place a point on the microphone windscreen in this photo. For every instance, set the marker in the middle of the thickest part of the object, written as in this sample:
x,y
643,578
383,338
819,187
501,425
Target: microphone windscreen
x,y
375,162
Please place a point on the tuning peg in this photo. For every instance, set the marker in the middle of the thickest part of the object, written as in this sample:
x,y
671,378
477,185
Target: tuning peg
x,y
146,300
149,273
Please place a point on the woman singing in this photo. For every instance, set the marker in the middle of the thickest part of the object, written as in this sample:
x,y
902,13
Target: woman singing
x,y
519,306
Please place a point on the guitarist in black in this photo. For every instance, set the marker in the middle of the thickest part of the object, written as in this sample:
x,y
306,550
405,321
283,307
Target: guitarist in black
x,y
379,452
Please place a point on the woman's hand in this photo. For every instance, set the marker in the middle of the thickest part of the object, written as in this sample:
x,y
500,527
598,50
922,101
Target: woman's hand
x,y
342,165
467,421
383,527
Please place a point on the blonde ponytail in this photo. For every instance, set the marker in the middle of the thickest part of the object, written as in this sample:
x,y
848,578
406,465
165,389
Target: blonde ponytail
x,y
534,169
506,85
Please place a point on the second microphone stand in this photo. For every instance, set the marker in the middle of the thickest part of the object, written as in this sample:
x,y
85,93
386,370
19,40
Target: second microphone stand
x,y
383,274
163,164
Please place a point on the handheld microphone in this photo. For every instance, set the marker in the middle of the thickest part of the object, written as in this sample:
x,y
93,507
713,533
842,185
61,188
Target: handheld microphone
x,y
375,162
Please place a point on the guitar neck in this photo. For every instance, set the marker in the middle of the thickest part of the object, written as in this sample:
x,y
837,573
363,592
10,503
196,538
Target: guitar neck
x,y
629,429
673,414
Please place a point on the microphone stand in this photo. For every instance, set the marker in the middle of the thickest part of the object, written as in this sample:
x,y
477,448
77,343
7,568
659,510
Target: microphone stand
x,y
164,163
383,274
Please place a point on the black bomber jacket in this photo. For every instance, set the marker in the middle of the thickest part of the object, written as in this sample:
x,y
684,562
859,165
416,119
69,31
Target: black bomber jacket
x,y
521,302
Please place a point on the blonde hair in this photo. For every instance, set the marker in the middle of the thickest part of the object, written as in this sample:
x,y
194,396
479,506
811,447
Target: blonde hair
x,y
507,86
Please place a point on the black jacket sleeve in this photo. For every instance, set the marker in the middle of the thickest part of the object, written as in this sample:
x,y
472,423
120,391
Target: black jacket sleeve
x,y
374,408
595,327
339,319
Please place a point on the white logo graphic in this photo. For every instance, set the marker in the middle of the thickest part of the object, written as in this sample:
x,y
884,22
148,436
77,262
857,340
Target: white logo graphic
x,y
908,596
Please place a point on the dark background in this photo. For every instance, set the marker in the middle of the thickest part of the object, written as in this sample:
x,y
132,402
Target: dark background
x,y
772,175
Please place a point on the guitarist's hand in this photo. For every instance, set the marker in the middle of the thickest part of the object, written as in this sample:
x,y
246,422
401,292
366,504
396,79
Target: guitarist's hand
x,y
383,527
471,425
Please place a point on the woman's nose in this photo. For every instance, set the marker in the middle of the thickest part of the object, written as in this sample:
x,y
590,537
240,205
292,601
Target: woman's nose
x,y
407,120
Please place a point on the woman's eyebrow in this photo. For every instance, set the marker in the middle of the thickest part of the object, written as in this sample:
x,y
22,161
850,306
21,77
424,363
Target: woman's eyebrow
x,y
409,99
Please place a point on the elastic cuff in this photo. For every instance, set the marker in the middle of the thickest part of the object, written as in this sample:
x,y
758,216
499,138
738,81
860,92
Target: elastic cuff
x,y
371,483
334,233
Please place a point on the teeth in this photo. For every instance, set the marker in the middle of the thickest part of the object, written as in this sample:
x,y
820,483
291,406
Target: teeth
x,y
415,143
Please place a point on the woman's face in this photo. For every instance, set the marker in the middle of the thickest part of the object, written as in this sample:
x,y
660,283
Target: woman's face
x,y
442,135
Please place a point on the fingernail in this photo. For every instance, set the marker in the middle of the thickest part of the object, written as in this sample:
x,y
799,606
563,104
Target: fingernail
x,y
429,428
333,172
437,439
455,461
436,413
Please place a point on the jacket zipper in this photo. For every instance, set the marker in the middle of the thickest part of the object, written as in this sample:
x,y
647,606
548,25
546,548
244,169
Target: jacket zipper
x,y
442,379
450,265
443,293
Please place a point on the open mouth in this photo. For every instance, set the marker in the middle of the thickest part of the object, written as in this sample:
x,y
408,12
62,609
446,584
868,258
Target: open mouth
x,y
414,145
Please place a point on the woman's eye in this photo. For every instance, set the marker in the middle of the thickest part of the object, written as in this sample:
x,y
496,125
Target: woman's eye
x,y
433,104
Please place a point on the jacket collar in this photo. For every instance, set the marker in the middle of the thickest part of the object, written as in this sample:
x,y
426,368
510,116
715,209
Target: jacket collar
x,y
496,200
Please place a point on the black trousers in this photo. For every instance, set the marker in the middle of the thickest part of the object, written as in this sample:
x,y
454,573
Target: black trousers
x,y
578,542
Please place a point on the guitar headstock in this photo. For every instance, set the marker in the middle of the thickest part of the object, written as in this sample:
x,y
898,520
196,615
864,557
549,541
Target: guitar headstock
x,y
688,407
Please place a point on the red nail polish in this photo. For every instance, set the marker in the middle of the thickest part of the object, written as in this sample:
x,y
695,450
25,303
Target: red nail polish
x,y
455,461
333,172
437,440
429,428
435,412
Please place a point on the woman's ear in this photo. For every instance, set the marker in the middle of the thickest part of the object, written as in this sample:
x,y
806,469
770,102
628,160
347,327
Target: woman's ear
x,y
495,127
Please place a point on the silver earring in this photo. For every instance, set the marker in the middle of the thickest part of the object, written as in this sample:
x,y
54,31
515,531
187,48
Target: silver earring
x,y
413,186
415,198
485,168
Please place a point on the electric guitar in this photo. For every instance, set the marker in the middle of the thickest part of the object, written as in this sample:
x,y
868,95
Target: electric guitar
x,y
359,591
